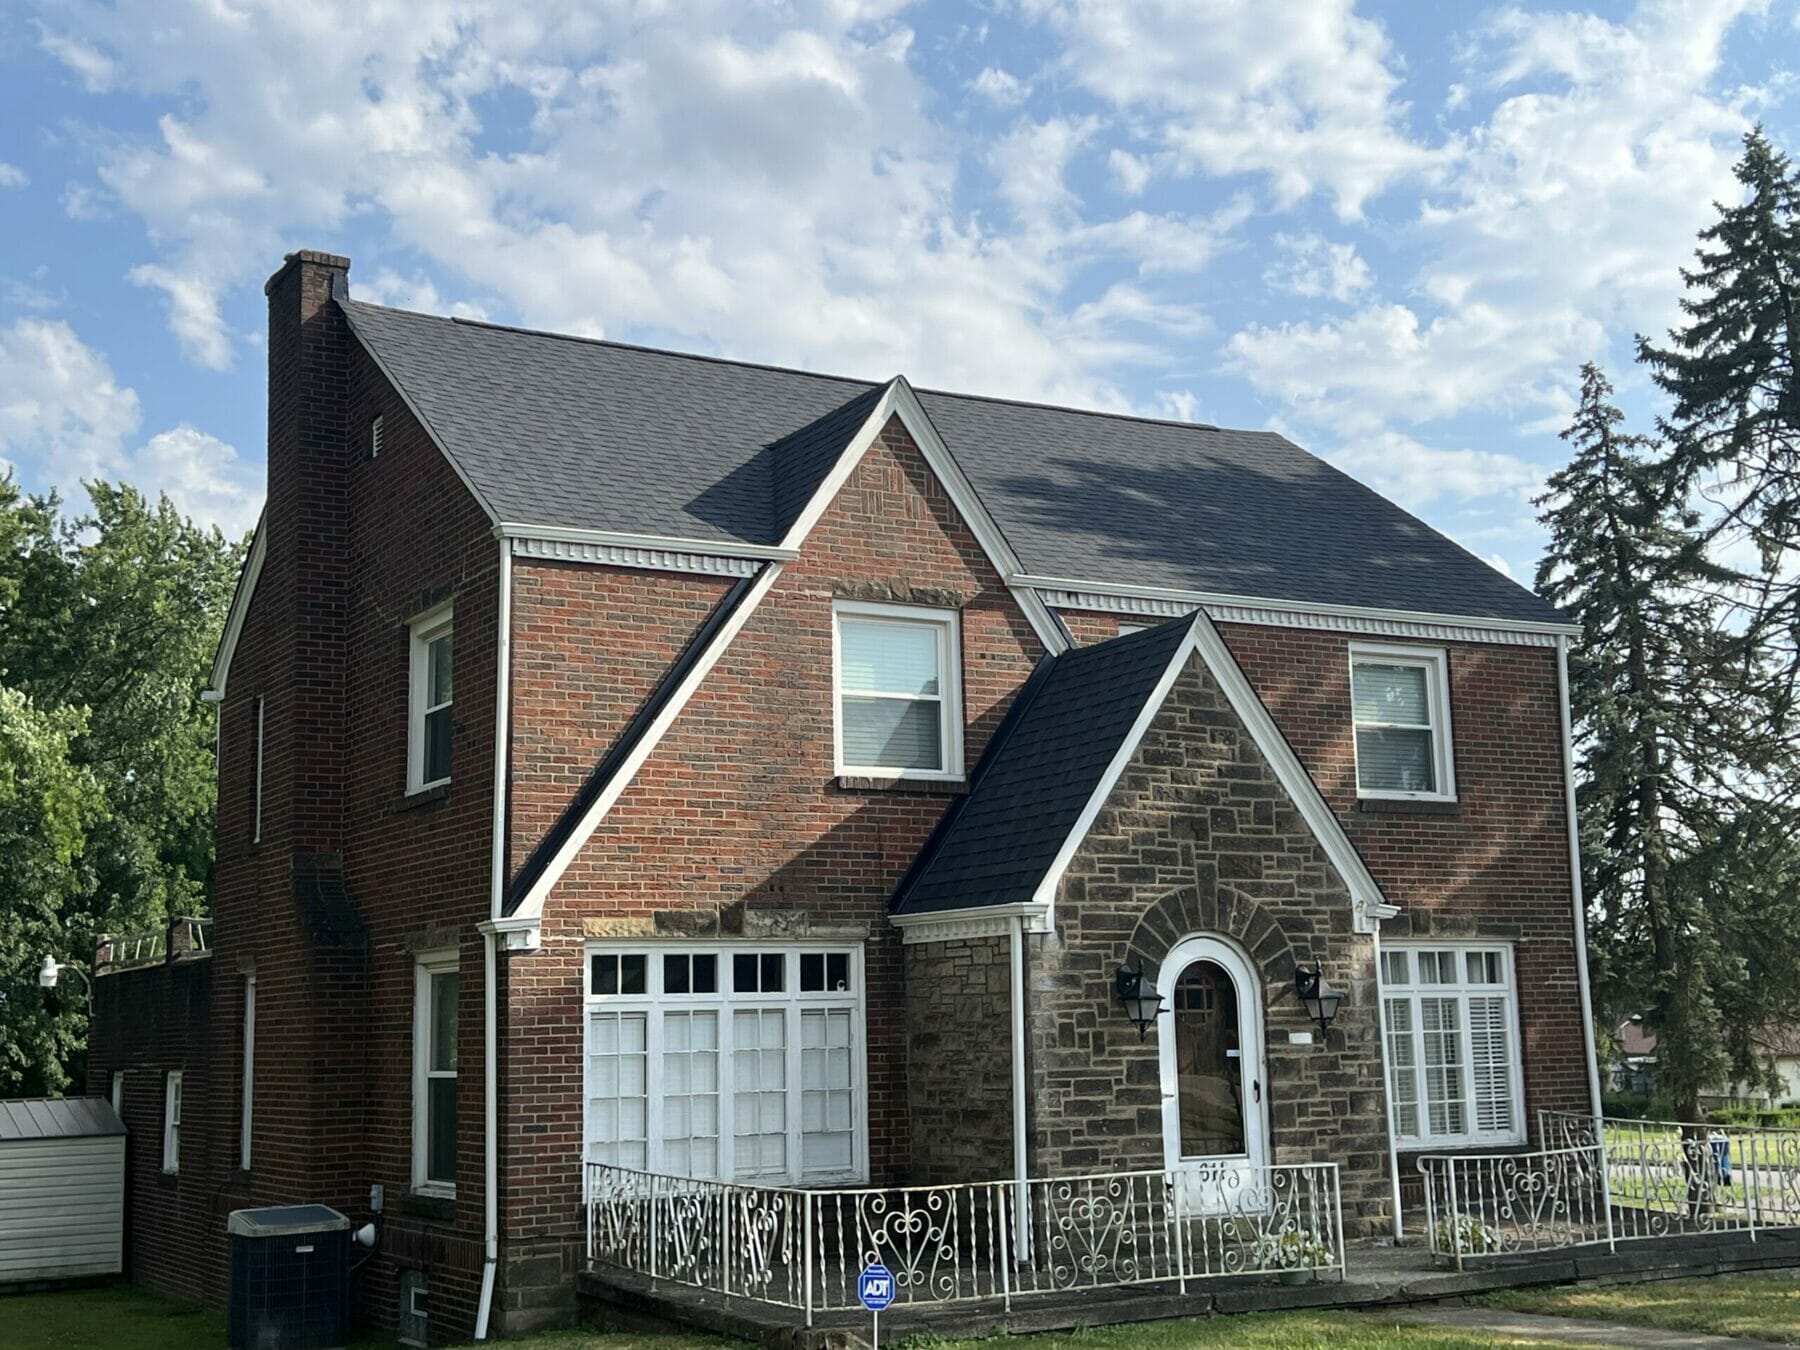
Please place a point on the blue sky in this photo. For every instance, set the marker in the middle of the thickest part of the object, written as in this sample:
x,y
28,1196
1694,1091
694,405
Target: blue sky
x,y
1392,232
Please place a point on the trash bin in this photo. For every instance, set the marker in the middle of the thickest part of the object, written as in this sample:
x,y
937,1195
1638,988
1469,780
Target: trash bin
x,y
290,1278
1721,1156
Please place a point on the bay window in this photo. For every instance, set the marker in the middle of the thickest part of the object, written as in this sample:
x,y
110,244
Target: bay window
x,y
1450,1014
727,1063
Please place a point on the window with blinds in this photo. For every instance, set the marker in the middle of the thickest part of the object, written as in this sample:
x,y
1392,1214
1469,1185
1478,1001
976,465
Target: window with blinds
x,y
899,696
1400,705
1450,1019
727,1063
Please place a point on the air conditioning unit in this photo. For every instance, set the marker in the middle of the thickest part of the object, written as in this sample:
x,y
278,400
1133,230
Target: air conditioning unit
x,y
290,1278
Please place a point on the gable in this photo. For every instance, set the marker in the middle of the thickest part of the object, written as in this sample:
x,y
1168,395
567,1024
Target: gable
x,y
1011,843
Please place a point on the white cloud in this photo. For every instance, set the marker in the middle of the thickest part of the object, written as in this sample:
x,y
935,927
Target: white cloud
x,y
194,315
1300,93
1312,266
12,176
1131,172
1417,475
1000,87
64,417
95,69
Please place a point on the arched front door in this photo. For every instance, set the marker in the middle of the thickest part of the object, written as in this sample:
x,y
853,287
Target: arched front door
x,y
1215,1133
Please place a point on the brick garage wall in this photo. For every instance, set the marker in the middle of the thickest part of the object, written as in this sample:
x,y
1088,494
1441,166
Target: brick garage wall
x,y
1200,836
1494,864
959,1059
737,824
147,1022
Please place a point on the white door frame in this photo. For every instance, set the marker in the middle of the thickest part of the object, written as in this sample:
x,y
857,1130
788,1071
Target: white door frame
x,y
1208,1183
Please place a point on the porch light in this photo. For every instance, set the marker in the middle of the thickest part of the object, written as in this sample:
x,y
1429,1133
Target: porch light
x,y
1142,1002
1317,996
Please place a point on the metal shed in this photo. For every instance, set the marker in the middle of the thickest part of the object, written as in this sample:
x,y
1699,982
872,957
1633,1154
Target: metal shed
x,y
62,1189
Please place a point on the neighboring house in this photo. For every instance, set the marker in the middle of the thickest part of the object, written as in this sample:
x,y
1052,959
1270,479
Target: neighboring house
x,y
693,765
1634,1070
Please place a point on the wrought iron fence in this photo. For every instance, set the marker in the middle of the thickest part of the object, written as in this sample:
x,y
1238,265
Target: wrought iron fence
x,y
986,1240
1612,1181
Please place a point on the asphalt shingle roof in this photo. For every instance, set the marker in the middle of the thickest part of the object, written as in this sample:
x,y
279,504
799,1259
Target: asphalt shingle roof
x,y
574,433
1040,771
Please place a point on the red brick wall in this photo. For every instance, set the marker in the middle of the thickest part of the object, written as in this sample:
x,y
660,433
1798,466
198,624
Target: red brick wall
x,y
738,807
1496,862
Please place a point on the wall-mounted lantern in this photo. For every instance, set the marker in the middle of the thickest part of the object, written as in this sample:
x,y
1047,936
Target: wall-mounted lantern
x,y
1317,996
1142,1002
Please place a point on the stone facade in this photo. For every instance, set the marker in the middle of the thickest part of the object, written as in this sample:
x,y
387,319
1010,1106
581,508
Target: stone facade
x,y
959,1077
1199,837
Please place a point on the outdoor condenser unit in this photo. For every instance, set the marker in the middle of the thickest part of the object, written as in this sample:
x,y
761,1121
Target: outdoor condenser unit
x,y
290,1278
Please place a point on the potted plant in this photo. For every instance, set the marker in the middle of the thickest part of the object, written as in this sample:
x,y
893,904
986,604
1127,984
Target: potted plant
x,y
1294,1252
1469,1236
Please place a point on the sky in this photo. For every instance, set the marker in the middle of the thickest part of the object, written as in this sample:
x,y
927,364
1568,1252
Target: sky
x,y
1392,232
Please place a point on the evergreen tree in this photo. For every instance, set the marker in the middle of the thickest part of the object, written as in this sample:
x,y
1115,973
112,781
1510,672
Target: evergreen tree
x,y
1665,823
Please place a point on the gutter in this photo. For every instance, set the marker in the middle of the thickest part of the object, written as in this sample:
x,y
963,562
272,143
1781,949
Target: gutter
x,y
490,1050
1022,1198
1581,956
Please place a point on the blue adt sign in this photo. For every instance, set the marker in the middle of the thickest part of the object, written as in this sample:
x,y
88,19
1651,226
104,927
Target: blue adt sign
x,y
875,1287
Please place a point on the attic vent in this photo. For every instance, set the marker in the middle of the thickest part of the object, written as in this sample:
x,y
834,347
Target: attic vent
x,y
375,438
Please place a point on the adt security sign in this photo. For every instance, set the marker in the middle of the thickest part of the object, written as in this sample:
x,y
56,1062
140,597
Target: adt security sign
x,y
875,1287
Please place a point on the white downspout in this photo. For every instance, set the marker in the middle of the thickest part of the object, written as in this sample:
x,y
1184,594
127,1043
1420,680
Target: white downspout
x,y
1387,1088
1022,1196
490,1189
1581,958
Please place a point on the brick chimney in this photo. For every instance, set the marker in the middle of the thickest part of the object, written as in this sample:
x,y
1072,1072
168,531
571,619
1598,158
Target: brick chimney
x,y
306,564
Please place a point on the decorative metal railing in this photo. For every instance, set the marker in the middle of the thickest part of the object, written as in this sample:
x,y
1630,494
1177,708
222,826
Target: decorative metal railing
x,y
986,1240
1611,1181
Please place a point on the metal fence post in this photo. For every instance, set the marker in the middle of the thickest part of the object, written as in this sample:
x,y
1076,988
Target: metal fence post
x,y
1005,1195
806,1245
1749,1161
1455,1217
1605,1180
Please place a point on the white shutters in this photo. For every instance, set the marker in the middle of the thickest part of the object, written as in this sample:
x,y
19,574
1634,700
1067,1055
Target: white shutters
x,y
1454,1075
731,1063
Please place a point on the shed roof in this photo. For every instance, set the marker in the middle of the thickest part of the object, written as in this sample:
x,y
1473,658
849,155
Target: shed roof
x,y
57,1118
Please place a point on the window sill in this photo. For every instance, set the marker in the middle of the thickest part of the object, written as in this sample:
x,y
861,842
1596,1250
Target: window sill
x,y
1409,806
430,1205
930,787
165,1177
423,797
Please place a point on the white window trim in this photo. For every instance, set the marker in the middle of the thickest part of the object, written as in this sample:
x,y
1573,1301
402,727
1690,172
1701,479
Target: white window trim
x,y
425,965
1462,989
1435,661
171,1156
256,824
426,629
653,1003
375,429
247,1090
118,1093
950,701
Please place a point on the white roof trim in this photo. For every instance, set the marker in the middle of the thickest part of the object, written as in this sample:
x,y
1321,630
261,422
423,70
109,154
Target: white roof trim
x,y
897,400
532,906
240,608
1369,906
1075,593
538,549
955,925
715,548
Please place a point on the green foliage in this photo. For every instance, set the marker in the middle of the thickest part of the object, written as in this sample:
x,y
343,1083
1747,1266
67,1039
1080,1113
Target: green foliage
x,y
1782,1118
1625,1105
108,623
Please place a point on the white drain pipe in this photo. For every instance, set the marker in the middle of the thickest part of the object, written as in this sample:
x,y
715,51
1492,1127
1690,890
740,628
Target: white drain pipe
x,y
1022,1200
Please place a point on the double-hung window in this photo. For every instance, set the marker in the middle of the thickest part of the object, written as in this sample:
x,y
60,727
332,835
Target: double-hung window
x,y
727,1063
428,729
1400,704
438,986
1451,1018
171,1159
899,691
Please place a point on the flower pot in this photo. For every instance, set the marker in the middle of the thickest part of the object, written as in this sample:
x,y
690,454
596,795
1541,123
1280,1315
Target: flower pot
x,y
1295,1276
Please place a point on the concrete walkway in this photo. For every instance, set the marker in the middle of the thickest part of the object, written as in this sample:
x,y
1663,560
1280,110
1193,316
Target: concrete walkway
x,y
1569,1330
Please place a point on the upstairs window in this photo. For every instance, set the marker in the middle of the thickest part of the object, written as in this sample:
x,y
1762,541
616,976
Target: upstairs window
x,y
428,741
1400,703
899,691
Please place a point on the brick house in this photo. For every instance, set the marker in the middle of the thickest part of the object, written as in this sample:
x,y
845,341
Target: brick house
x,y
728,771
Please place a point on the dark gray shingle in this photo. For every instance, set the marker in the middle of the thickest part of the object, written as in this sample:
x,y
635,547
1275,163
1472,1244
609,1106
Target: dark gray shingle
x,y
567,432
1034,780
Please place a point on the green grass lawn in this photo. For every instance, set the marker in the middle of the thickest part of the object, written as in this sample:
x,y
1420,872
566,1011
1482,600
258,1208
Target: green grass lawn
x,y
1762,1307
119,1317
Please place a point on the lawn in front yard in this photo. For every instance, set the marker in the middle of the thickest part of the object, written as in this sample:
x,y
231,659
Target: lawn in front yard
x,y
1764,1307
119,1317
